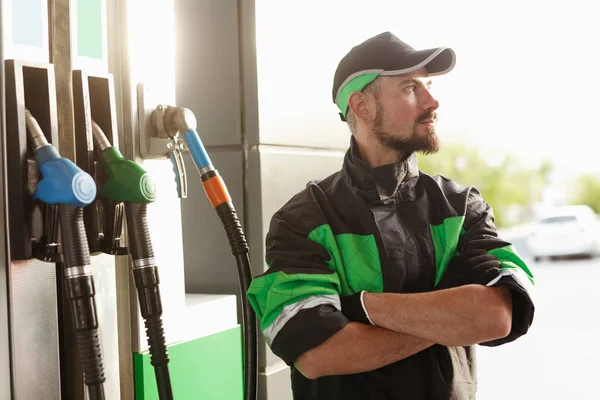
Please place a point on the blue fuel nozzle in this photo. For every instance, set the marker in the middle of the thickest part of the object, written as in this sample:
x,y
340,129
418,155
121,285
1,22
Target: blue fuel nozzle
x,y
62,182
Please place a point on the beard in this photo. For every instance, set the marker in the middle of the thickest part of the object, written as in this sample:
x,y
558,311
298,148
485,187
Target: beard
x,y
410,140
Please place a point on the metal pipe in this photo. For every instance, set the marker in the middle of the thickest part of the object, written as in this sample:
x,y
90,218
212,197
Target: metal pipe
x,y
100,140
36,135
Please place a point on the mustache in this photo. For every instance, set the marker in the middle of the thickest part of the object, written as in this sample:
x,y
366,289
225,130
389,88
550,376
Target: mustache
x,y
428,115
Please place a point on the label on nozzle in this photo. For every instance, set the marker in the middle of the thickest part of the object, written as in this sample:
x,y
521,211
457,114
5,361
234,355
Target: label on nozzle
x,y
148,187
84,188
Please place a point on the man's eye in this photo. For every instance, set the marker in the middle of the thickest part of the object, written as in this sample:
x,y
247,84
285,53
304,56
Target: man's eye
x,y
411,88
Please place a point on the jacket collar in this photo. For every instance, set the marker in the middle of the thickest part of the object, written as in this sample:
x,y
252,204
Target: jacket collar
x,y
381,183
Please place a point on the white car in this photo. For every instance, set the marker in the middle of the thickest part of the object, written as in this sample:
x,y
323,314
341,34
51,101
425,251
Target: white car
x,y
565,231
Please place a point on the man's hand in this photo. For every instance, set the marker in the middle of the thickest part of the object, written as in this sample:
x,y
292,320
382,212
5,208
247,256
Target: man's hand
x,y
471,267
358,348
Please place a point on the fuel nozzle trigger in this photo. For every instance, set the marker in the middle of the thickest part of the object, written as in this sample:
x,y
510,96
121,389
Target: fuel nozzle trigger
x,y
164,119
179,170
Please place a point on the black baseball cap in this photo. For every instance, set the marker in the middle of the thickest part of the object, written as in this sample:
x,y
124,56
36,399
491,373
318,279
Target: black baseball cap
x,y
386,55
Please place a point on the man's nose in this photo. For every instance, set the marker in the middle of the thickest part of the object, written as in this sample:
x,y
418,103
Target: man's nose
x,y
430,103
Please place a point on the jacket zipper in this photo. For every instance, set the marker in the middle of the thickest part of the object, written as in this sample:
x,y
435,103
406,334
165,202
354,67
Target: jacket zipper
x,y
405,223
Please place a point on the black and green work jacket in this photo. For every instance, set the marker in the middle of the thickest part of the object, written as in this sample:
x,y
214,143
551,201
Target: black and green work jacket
x,y
385,229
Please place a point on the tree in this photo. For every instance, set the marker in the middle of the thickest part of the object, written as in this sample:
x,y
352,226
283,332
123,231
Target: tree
x,y
507,187
587,191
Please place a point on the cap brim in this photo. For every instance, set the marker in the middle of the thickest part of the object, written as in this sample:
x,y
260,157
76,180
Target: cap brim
x,y
437,61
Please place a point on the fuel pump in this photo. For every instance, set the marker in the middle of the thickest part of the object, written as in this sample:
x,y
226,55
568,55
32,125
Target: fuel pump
x,y
66,185
174,126
130,184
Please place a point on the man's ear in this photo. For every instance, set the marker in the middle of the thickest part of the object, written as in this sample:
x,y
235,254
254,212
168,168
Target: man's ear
x,y
361,107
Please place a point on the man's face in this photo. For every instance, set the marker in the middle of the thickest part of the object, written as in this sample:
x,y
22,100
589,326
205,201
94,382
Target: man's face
x,y
405,118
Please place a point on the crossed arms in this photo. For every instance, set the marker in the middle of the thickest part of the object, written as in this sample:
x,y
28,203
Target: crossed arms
x,y
409,323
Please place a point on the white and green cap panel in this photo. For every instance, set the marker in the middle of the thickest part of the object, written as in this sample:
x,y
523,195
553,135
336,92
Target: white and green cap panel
x,y
356,83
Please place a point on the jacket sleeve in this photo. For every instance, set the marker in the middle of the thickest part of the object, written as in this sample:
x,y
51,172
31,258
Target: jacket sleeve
x,y
480,232
297,299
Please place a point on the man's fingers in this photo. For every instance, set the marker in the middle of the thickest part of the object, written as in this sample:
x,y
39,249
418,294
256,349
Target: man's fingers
x,y
472,266
480,259
484,266
472,253
484,273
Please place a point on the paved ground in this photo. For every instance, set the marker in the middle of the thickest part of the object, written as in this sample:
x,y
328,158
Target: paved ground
x,y
560,356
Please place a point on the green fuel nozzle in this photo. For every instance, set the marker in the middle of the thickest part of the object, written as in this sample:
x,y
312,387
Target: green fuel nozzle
x,y
127,181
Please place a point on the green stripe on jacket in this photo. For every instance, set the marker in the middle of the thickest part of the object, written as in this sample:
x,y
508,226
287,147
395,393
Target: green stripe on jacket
x,y
445,238
354,261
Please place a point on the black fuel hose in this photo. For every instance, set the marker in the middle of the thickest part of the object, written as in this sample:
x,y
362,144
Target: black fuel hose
x,y
239,249
183,121
80,291
145,274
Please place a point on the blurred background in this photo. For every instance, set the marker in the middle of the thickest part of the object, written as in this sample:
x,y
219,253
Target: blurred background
x,y
517,119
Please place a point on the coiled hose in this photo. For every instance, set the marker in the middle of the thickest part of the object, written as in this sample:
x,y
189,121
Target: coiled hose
x,y
219,197
239,249
145,274
80,291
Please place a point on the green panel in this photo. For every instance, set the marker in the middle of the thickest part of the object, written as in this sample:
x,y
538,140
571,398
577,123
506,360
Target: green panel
x,y
270,293
27,23
509,258
355,258
445,239
90,40
205,368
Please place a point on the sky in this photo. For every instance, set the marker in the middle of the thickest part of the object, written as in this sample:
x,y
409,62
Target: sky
x,y
527,78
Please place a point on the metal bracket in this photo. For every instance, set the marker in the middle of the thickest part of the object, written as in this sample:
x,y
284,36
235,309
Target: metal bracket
x,y
155,140
159,136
